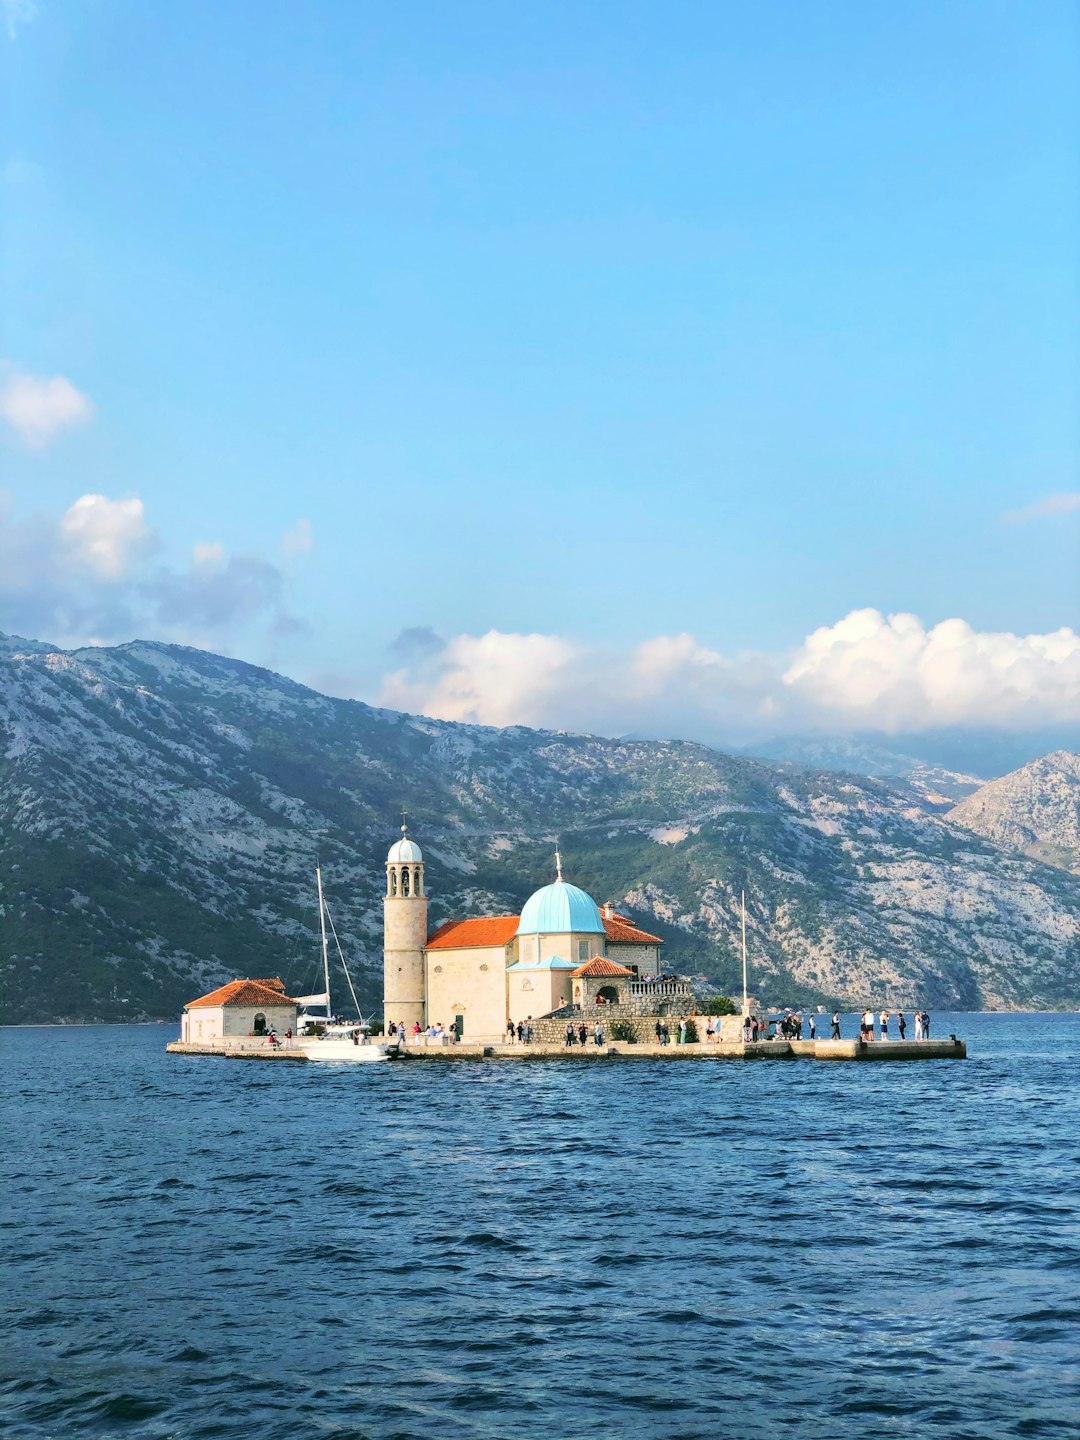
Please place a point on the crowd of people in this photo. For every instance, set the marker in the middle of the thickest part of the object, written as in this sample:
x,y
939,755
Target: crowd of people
x,y
867,1022
580,1034
794,1026
435,1031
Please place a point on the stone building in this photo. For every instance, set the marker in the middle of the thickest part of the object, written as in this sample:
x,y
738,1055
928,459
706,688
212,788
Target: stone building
x,y
475,975
237,1010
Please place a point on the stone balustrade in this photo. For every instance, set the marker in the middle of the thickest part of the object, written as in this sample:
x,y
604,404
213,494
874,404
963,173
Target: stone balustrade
x,y
655,988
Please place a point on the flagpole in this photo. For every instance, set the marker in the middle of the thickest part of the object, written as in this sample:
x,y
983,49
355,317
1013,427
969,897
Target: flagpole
x,y
745,1001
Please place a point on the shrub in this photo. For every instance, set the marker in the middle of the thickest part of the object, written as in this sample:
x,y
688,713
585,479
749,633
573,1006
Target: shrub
x,y
692,1036
720,1005
623,1030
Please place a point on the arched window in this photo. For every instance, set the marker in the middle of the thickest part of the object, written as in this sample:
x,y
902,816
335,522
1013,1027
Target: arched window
x,y
416,881
260,1025
404,880
393,881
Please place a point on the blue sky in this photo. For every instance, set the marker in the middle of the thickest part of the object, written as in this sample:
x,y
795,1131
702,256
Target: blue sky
x,y
599,323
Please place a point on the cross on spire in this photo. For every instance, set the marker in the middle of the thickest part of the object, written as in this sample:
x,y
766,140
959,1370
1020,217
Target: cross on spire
x,y
404,820
558,864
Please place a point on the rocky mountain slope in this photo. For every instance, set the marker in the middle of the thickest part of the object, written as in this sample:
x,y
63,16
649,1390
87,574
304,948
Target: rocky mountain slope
x,y
1035,810
161,811
934,786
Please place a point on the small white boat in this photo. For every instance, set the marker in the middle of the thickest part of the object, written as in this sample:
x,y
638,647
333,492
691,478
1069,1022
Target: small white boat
x,y
320,1036
348,1043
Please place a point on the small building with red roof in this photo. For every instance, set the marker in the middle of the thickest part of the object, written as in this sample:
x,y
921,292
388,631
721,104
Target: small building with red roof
x,y
600,981
239,1009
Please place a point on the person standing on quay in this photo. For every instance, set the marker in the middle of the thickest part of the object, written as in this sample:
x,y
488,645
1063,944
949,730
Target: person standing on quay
x,y
918,1025
836,1024
583,1032
901,1024
884,1024
659,1032
682,1031
813,1027
569,1035
926,1024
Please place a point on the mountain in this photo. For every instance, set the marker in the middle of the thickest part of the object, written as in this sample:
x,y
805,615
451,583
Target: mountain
x,y
1035,810
162,808
934,786
941,763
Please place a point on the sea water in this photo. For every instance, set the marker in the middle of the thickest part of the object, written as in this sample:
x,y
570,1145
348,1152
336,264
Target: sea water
x,y
199,1247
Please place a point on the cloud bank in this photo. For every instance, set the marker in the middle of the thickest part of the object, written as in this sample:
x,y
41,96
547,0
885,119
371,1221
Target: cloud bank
x,y
867,671
39,407
95,576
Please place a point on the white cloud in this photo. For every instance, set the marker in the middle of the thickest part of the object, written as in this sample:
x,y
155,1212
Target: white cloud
x,y
16,13
493,679
208,555
895,673
299,540
105,536
867,671
39,407
91,576
1061,504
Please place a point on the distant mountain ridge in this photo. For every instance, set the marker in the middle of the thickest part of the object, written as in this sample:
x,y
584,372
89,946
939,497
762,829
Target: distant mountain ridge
x,y
162,808
1035,810
934,785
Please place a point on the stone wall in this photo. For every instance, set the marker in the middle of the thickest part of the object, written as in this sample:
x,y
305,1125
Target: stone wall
x,y
551,1029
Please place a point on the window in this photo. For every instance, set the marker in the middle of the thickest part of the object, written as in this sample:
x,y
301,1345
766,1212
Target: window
x,y
260,1025
582,951
404,881
393,882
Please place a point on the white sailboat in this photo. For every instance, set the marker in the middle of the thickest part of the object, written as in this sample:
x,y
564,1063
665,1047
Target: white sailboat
x,y
337,1039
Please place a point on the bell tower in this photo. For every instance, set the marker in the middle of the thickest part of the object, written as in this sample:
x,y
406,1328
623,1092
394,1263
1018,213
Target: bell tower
x,y
404,934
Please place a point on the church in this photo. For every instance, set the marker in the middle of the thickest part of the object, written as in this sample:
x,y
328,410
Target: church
x,y
477,975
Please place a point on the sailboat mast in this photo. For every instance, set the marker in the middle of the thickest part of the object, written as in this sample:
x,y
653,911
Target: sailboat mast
x,y
745,1001
325,951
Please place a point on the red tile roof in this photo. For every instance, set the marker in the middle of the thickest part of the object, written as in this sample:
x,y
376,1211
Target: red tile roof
x,y
599,965
245,992
465,934
620,929
500,930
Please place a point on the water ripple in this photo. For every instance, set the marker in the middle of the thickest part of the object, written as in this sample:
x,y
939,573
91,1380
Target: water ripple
x,y
195,1249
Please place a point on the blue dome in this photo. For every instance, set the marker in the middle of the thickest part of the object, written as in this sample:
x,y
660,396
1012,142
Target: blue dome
x,y
558,909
